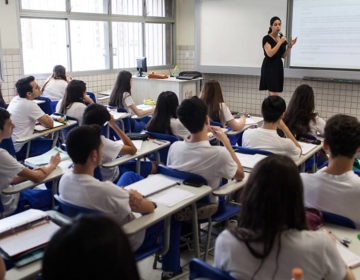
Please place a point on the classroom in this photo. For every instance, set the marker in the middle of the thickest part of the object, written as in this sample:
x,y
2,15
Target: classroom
x,y
182,96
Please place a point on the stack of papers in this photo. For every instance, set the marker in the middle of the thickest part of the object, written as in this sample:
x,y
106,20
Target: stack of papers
x,y
44,159
39,127
351,259
306,147
249,161
153,184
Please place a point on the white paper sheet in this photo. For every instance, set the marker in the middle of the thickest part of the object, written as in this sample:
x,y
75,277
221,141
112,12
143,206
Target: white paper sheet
x,y
306,147
351,259
249,161
171,196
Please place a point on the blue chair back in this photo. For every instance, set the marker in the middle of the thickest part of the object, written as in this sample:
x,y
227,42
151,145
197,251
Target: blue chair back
x,y
338,220
97,174
201,269
214,123
7,144
53,105
165,170
91,95
72,210
163,152
357,172
250,151
46,106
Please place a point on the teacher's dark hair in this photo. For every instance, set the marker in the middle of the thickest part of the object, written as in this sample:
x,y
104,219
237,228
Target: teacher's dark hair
x,y
92,247
272,202
272,20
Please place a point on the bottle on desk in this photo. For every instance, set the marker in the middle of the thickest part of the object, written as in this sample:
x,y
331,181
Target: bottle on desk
x,y
297,274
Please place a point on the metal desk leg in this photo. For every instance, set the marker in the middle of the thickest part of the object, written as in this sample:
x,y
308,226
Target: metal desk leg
x,y
302,167
62,137
195,230
54,191
55,139
165,249
314,167
138,165
28,149
157,158
108,131
122,125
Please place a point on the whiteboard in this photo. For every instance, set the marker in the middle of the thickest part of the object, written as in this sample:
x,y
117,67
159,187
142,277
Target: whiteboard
x,y
228,37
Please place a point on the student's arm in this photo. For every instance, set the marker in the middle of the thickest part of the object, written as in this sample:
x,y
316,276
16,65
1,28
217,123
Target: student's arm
x,y
139,204
220,135
288,133
272,51
46,121
237,125
349,275
129,147
37,175
139,112
87,99
2,269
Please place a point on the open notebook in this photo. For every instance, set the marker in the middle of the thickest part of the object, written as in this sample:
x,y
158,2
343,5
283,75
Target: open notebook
x,y
249,121
306,147
44,159
24,232
249,161
39,127
351,259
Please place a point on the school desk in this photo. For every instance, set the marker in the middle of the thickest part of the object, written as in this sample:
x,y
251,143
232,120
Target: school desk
x,y
148,147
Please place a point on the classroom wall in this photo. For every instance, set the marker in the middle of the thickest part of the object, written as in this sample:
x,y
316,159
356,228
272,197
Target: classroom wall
x,y
241,92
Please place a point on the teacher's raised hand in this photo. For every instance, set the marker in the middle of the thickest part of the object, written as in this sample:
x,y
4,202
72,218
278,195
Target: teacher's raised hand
x,y
292,42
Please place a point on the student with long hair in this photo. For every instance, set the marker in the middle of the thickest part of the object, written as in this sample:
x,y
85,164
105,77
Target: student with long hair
x,y
73,103
272,237
55,86
164,119
300,116
121,97
211,94
92,247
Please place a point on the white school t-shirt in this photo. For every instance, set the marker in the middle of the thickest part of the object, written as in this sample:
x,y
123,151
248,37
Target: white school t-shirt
x,y
9,168
110,151
313,251
76,110
86,191
127,102
24,114
225,114
318,127
269,140
210,162
178,129
55,89
338,194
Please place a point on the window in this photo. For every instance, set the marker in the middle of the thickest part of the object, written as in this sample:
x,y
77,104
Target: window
x,y
44,44
96,34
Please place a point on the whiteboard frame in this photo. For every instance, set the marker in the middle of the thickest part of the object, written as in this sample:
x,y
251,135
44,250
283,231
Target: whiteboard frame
x,y
289,72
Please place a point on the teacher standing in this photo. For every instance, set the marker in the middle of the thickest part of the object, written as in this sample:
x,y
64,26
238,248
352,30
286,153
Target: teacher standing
x,y
272,69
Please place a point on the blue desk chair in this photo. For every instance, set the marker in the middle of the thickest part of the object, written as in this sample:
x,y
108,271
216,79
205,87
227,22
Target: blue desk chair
x,y
249,151
7,144
163,152
91,95
201,269
46,106
53,105
72,210
214,123
338,220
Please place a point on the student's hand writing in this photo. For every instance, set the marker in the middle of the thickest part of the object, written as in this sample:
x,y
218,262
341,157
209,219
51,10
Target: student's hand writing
x,y
55,160
135,199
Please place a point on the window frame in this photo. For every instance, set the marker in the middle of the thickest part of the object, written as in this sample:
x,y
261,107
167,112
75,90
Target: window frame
x,y
107,17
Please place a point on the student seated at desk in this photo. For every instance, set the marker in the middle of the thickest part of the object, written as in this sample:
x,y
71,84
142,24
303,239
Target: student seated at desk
x,y
98,114
73,103
121,97
55,87
25,113
300,117
79,187
92,247
266,137
164,119
12,172
217,109
336,188
272,237
196,155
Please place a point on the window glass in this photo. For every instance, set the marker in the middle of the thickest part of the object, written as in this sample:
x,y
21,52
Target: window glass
x,y
44,5
89,6
127,7
43,44
158,43
159,8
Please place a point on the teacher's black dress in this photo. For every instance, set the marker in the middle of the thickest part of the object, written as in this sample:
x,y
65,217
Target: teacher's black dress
x,y
272,69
